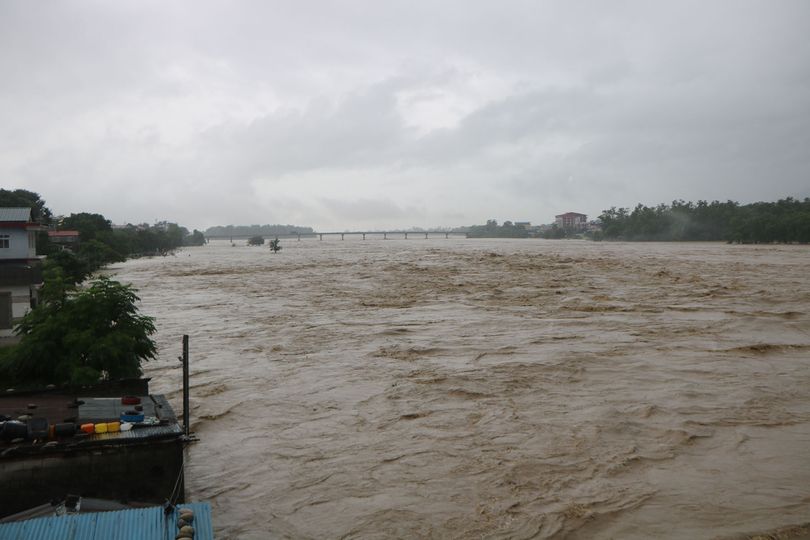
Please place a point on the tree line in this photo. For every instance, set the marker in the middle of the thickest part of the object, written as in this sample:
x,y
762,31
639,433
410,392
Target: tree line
x,y
493,230
784,221
257,230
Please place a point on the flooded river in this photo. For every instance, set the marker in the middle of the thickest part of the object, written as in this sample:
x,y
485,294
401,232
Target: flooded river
x,y
453,388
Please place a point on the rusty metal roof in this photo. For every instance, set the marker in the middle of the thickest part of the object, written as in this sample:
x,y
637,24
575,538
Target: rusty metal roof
x,y
136,524
15,214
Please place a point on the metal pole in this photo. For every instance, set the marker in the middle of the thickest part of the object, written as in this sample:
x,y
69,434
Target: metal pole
x,y
186,425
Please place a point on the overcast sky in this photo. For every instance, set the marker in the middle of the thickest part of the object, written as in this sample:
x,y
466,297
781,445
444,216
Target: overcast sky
x,y
382,114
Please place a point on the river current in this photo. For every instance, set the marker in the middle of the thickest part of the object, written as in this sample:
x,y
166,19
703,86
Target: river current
x,y
454,388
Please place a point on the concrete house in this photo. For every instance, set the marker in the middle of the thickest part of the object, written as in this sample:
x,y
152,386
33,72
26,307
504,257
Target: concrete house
x,y
20,268
64,239
571,220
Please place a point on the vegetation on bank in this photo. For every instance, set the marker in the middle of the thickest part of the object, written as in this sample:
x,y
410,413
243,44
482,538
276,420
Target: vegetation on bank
x,y
493,230
783,221
256,230
80,334
99,242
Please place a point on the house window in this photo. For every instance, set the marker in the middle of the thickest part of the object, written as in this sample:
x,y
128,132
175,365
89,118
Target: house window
x,y
5,241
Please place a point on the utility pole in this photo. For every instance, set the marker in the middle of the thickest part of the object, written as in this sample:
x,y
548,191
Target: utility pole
x,y
184,360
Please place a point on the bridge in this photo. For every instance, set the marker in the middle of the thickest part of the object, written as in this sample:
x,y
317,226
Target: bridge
x,y
385,235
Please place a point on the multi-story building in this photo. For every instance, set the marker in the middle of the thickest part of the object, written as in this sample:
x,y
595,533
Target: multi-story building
x,y
571,220
64,239
20,268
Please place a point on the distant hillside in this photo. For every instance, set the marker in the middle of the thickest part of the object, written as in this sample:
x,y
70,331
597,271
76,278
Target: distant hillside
x,y
256,230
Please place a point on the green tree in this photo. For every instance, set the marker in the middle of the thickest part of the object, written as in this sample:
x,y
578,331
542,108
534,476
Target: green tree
x,y
197,238
81,337
554,232
96,254
255,241
785,221
73,268
275,245
89,225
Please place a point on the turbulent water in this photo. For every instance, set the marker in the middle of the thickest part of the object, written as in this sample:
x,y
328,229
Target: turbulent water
x,y
455,388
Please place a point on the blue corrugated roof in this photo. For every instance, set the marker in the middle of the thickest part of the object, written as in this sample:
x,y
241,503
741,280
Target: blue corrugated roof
x,y
136,524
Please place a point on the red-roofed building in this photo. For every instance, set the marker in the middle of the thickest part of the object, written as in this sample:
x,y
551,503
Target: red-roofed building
x,y
64,239
571,220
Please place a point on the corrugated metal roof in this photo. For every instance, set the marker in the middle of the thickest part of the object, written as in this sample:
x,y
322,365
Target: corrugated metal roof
x,y
136,524
15,214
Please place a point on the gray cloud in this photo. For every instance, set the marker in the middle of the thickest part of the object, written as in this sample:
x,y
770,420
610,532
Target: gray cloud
x,y
396,114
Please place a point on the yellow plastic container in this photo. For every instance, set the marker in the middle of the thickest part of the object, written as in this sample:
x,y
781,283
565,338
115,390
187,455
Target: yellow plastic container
x,y
101,427
113,427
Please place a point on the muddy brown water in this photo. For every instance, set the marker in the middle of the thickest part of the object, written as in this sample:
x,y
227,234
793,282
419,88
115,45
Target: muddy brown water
x,y
452,388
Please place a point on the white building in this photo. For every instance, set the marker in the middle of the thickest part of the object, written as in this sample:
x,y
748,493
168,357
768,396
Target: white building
x,y
20,269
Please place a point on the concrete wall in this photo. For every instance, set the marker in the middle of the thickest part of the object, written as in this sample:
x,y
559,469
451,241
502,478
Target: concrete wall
x,y
32,244
132,473
20,305
18,244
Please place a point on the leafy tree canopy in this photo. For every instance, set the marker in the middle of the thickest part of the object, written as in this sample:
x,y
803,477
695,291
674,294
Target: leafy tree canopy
x,y
784,221
81,337
197,238
89,225
74,269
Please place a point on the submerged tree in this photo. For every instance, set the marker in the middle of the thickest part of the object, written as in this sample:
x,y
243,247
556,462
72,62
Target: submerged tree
x,y
275,245
255,241
81,337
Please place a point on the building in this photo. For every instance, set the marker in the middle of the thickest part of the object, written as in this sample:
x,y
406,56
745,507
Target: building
x,y
64,239
524,225
114,442
148,523
20,268
571,220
